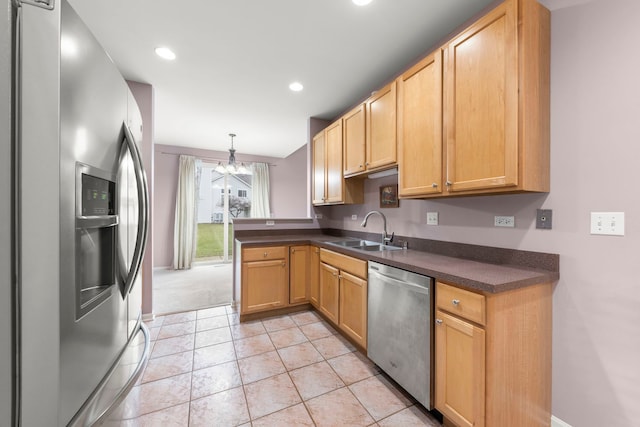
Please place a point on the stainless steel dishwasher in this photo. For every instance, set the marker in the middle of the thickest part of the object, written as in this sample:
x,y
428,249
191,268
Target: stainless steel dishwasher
x,y
399,338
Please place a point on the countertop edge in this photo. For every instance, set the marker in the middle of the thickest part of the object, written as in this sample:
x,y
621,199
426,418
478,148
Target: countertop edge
x,y
472,274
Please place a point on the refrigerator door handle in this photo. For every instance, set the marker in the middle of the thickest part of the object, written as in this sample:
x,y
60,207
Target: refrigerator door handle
x,y
130,272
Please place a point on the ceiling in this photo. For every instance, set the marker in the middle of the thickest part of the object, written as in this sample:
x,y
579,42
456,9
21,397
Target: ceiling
x,y
236,59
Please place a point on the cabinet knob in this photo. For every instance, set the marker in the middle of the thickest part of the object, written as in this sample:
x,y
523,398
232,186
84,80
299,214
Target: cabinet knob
x,y
360,166
455,302
367,164
335,274
284,264
438,321
264,255
293,250
434,185
449,183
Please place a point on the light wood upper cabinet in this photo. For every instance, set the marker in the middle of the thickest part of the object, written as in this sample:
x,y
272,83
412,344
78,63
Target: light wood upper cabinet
x,y
497,102
319,169
381,147
329,185
420,128
369,133
299,274
333,140
354,136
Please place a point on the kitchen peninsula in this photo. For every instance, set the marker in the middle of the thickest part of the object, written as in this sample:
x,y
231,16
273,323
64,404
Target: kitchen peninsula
x,y
492,307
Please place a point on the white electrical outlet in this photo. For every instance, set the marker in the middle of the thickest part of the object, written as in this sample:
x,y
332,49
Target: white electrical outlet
x,y
354,217
608,223
504,221
270,223
432,218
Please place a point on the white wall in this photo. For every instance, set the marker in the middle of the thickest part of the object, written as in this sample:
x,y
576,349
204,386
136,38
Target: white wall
x,y
595,159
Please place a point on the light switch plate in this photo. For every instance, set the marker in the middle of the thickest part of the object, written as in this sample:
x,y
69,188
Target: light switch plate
x,y
270,223
354,217
607,223
432,218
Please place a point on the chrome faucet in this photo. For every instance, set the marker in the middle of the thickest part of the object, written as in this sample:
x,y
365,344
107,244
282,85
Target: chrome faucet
x,y
385,236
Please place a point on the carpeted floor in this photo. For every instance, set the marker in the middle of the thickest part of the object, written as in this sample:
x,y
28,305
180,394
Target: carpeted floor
x,y
204,285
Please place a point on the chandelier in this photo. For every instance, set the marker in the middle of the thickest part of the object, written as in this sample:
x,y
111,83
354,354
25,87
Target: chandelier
x,y
232,167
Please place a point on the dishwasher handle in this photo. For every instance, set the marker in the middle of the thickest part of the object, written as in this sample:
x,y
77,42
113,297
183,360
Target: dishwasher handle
x,y
392,280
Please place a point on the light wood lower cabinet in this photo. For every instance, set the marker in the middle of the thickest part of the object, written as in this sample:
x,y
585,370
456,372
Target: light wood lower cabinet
x,y
493,356
353,307
460,370
343,294
329,291
275,277
314,276
299,257
265,279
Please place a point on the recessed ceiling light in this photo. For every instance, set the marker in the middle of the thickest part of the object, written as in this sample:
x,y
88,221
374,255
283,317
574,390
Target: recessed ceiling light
x,y
296,86
165,53
361,2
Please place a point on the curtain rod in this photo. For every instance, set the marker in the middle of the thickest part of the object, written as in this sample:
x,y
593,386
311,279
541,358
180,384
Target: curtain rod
x,y
212,159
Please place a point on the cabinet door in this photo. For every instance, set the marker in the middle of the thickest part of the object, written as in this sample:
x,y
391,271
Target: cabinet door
x,y
298,274
353,131
314,276
460,372
264,285
353,307
381,128
319,172
333,139
482,103
420,128
329,292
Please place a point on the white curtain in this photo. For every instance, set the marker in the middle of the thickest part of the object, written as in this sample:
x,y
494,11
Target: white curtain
x,y
260,191
185,227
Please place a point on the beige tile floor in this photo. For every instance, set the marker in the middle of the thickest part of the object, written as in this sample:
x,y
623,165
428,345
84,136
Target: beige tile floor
x,y
206,369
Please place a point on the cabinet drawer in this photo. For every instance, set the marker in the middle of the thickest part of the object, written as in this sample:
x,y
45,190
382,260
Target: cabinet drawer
x,y
466,304
355,266
264,253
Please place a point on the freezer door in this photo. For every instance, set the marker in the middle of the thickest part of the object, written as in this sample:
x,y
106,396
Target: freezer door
x,y
133,202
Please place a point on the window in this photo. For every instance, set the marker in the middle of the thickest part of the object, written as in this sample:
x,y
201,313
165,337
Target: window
x,y
242,193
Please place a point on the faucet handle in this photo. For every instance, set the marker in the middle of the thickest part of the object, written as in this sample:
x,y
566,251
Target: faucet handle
x,y
388,239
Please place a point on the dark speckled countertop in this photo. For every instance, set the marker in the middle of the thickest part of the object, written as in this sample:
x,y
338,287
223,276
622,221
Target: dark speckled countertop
x,y
469,270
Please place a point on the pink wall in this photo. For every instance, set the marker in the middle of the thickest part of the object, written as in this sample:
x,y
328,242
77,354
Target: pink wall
x,y
595,152
288,190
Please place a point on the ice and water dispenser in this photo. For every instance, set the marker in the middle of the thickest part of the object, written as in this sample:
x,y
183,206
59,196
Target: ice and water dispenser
x,y
96,237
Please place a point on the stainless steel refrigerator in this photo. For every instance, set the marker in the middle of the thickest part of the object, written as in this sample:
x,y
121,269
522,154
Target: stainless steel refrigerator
x,y
74,209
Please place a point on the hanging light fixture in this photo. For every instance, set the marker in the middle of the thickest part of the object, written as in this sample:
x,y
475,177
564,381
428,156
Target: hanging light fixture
x,y
232,167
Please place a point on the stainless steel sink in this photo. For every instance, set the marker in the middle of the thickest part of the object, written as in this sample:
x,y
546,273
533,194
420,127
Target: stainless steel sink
x,y
364,245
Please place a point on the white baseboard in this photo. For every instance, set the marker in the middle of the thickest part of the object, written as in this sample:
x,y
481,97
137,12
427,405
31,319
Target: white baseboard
x,y
557,422
148,317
